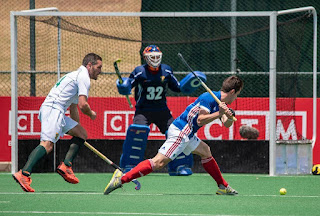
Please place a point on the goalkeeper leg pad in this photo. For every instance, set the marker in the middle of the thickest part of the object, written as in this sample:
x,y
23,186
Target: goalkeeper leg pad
x,y
134,146
181,166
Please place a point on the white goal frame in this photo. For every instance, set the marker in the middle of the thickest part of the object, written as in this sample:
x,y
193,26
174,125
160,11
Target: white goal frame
x,y
272,62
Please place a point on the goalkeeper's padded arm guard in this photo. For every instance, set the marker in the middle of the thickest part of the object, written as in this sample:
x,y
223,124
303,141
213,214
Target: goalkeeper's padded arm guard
x,y
125,87
190,83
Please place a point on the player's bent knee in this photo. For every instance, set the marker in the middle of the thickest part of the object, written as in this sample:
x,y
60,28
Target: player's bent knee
x,y
83,134
206,153
79,131
48,145
203,150
208,150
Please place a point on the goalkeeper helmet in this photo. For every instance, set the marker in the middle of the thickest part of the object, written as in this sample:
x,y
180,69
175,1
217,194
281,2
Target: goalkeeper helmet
x,y
153,56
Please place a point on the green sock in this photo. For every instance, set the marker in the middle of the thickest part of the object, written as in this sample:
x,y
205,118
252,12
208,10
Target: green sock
x,y
71,154
37,153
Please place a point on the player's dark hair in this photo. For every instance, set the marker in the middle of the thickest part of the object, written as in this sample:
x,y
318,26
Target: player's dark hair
x,y
91,57
232,82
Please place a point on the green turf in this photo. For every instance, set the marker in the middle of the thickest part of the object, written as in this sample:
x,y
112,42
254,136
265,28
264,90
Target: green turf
x,y
161,195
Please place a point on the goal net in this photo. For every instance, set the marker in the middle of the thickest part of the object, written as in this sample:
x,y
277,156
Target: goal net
x,y
260,49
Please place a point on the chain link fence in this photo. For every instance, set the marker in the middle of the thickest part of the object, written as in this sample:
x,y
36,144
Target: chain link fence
x,y
207,45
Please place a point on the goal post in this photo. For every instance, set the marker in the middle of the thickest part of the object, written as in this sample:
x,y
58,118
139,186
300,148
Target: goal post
x,y
14,95
201,36
14,84
273,91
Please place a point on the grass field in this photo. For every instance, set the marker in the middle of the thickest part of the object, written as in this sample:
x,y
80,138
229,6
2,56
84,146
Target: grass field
x,y
161,195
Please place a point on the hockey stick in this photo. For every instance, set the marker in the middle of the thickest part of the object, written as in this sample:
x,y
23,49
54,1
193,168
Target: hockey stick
x,y
115,64
138,185
201,82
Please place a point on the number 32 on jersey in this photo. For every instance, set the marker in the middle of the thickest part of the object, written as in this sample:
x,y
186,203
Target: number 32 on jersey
x,y
154,93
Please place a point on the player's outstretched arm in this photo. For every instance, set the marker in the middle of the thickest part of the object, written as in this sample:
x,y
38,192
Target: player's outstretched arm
x,y
85,108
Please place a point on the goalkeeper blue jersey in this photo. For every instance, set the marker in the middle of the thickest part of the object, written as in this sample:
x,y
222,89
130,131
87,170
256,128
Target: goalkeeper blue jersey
x,y
187,121
150,89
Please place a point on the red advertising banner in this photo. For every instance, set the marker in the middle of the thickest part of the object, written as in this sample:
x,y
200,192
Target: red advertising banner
x,y
5,144
114,117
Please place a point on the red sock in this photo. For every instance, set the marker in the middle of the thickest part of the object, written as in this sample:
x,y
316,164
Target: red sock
x,y
211,166
143,168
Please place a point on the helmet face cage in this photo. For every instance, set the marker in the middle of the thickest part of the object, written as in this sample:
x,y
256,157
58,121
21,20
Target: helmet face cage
x,y
152,56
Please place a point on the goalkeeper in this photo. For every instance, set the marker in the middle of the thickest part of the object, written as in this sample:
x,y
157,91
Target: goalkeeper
x,y
151,81
182,138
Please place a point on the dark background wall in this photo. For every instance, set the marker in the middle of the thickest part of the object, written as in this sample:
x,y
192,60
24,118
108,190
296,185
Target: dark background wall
x,y
232,156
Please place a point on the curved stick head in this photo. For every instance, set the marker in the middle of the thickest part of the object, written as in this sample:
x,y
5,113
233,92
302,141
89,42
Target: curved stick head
x,y
117,61
138,185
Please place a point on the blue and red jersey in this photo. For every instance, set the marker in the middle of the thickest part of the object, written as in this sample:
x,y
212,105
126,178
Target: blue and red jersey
x,y
187,121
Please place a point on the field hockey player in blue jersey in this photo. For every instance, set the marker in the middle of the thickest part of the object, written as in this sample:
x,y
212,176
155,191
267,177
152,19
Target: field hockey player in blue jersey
x,y
182,137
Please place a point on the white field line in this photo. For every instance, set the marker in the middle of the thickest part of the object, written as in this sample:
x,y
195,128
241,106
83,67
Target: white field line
x,y
112,213
140,194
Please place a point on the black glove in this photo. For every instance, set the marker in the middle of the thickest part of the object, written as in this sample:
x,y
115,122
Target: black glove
x,y
233,112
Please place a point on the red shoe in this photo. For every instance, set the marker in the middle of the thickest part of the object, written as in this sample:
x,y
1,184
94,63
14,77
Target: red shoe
x,y
23,181
67,173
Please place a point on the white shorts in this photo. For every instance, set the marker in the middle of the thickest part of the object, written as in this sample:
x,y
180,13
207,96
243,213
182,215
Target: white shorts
x,y
54,124
177,143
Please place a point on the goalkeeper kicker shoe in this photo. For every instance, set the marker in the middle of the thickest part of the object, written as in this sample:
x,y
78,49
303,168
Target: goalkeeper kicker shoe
x,y
23,181
114,183
223,190
67,173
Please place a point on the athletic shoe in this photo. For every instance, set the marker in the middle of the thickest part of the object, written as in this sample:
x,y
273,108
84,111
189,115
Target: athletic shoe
x,y
67,173
223,190
23,181
114,183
